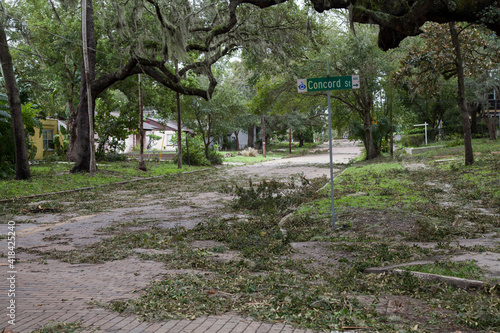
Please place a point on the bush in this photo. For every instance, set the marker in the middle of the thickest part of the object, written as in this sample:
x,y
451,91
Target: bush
x,y
7,152
455,141
380,133
250,152
413,140
196,150
214,156
114,157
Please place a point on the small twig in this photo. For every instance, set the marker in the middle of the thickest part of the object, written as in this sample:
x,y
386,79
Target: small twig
x,y
354,328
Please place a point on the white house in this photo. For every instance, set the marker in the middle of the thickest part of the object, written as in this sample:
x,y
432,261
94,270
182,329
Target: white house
x,y
158,136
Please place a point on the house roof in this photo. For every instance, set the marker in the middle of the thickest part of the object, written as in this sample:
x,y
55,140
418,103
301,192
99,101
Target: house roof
x,y
166,126
155,124
148,127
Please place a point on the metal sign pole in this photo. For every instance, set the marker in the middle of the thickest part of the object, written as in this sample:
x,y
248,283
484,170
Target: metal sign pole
x,y
329,83
331,146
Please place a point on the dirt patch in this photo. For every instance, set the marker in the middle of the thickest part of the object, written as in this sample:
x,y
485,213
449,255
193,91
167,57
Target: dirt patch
x,y
281,171
320,252
403,309
381,223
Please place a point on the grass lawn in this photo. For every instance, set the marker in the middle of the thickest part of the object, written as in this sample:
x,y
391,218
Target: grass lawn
x,y
55,176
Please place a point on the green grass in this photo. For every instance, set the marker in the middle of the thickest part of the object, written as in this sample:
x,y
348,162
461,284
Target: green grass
x,y
52,177
455,148
273,150
376,186
464,270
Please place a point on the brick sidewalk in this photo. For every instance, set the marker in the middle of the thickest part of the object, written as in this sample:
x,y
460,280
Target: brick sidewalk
x,y
54,291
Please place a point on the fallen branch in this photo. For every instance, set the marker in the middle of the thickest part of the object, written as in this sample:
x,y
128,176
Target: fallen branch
x,y
454,281
457,282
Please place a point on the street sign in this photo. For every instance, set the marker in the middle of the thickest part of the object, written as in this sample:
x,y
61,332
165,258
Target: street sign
x,y
328,83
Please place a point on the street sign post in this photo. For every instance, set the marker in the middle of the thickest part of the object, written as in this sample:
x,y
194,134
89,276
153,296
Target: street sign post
x,y
329,83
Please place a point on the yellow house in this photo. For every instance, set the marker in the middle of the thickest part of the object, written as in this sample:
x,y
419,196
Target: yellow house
x,y
44,142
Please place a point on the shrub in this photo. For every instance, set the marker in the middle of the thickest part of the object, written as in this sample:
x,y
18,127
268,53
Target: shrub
x,y
196,149
413,140
380,133
213,155
114,157
250,152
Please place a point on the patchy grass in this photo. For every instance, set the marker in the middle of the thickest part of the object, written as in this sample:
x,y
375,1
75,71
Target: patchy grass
x,y
52,177
57,327
465,270
477,182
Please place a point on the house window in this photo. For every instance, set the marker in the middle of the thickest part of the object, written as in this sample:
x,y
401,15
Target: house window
x,y
48,139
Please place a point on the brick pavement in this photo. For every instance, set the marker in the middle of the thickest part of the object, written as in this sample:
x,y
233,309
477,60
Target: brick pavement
x,y
52,291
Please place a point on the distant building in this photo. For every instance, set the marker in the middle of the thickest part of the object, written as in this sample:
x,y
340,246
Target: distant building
x,y
158,135
44,140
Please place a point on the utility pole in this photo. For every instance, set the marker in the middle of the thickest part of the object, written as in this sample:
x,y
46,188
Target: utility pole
x,y
392,126
142,165
263,125
179,122
90,108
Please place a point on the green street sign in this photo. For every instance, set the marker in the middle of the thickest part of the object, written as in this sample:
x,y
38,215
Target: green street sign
x,y
328,83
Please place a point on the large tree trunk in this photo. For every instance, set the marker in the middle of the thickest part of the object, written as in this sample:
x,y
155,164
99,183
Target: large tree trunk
x,y
469,155
206,138
251,139
237,140
22,163
301,142
365,113
82,163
